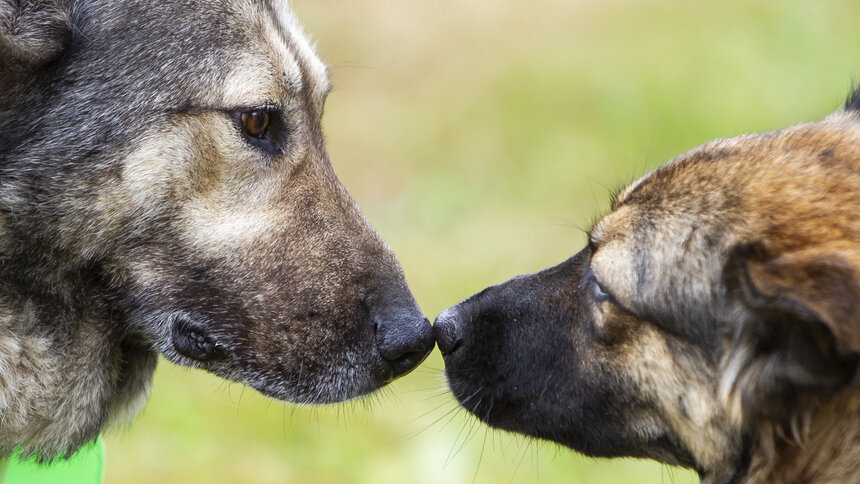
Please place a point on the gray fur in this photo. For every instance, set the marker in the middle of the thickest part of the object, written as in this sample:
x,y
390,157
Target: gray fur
x,y
121,173
32,31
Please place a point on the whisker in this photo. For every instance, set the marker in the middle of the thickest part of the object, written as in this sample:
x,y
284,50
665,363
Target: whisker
x,y
437,407
481,456
427,427
520,462
472,423
430,369
454,444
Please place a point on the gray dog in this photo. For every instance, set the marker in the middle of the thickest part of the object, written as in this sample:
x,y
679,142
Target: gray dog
x,y
164,187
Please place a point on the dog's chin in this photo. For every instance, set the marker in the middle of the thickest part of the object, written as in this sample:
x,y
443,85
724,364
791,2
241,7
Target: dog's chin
x,y
497,402
327,385
486,396
314,393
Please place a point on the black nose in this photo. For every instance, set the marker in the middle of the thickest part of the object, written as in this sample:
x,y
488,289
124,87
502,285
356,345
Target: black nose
x,y
445,330
404,341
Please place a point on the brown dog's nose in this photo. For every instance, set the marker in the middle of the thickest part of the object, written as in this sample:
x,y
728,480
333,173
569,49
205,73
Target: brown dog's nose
x,y
445,330
404,340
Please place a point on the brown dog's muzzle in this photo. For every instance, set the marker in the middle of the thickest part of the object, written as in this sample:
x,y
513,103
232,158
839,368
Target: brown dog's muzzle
x,y
547,300
523,356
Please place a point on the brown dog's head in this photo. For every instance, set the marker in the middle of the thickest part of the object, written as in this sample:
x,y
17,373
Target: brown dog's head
x,y
167,160
721,294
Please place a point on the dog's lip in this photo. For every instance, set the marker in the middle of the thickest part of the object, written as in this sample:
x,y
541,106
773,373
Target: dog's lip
x,y
234,363
191,338
314,389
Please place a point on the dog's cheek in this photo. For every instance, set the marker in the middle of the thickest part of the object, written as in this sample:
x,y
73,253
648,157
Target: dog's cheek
x,y
139,199
674,376
610,326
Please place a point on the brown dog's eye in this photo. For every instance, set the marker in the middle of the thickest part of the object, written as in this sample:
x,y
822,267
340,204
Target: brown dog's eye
x,y
256,122
598,291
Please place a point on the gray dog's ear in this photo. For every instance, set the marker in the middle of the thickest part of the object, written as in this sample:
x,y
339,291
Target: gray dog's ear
x,y
32,31
800,336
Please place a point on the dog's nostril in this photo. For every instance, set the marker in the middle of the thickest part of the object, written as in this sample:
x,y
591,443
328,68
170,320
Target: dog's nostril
x,y
445,330
404,342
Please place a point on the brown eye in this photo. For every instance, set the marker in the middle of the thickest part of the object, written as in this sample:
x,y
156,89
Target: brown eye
x,y
255,122
262,127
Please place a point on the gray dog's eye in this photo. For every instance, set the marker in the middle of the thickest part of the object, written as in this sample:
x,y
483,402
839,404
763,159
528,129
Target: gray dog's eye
x,y
256,122
262,127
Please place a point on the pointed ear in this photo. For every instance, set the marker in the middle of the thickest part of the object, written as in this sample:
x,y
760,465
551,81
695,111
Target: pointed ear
x,y
32,32
799,335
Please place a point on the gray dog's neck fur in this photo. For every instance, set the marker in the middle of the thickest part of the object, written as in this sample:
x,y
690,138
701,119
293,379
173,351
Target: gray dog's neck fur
x,y
67,366
68,363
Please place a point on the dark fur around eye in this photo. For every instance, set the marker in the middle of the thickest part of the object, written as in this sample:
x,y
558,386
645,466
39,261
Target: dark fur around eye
x,y
272,138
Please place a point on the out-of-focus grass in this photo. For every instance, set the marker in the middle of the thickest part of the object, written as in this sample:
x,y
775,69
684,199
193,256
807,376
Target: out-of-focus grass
x,y
479,136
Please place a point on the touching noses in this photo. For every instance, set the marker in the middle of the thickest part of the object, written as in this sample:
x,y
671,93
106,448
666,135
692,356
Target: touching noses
x,y
446,331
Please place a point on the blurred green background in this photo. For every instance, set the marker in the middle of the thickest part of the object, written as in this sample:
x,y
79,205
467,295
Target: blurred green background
x,y
478,136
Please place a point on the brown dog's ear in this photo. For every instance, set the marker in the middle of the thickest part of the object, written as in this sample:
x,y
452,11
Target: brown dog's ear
x,y
800,336
32,32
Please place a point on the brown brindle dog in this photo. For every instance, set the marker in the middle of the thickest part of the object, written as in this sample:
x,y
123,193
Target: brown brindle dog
x,y
712,322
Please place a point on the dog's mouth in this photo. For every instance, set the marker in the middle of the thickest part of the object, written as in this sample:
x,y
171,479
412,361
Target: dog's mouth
x,y
299,375
192,339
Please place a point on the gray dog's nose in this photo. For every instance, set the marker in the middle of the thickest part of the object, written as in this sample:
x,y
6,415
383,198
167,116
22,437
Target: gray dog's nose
x,y
404,341
445,330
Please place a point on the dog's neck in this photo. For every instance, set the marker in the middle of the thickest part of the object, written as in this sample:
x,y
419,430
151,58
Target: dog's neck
x,y
67,366
821,447
829,452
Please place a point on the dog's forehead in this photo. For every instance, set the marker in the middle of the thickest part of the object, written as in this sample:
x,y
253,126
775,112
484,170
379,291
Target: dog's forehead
x,y
672,228
753,183
278,61
212,54
292,36
707,165
664,223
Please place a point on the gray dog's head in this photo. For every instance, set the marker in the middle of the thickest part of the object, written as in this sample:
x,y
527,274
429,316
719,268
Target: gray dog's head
x,y
172,153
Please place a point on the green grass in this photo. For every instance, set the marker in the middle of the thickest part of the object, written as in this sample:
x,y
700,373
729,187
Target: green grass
x,y
479,136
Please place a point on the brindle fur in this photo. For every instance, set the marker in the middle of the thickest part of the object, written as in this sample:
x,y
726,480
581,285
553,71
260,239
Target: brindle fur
x,y
136,218
713,320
